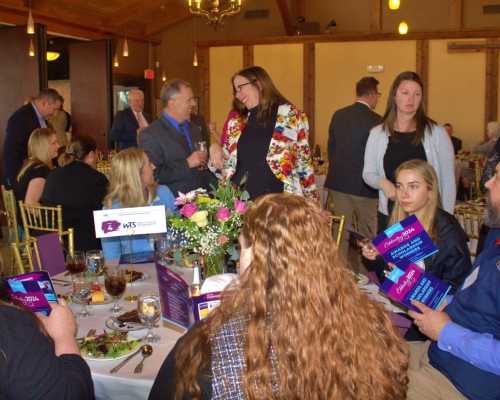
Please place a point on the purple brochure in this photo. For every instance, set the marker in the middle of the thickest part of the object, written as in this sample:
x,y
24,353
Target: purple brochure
x,y
204,304
408,282
174,297
33,290
406,240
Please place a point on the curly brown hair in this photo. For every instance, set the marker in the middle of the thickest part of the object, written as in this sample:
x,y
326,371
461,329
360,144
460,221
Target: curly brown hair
x,y
331,341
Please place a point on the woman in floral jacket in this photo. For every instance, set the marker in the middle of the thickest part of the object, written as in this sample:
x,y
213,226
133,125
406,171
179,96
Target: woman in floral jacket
x,y
267,141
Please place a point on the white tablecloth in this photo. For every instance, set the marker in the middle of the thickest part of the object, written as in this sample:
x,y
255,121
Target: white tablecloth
x,y
125,384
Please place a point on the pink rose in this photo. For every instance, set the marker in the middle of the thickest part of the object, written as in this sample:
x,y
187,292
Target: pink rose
x,y
188,210
223,240
240,206
223,214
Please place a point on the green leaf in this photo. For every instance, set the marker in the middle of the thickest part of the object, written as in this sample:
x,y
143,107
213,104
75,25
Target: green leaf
x,y
193,257
243,180
178,257
245,196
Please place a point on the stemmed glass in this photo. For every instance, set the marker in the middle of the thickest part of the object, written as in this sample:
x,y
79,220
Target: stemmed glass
x,y
115,284
201,146
82,292
76,263
95,263
148,306
164,246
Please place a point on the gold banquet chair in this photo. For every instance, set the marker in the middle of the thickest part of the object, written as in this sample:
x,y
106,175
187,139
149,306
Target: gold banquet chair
x,y
9,202
470,220
29,245
338,218
46,219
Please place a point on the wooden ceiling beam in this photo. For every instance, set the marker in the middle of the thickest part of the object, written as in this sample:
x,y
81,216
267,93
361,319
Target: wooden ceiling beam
x,y
126,14
82,25
162,24
286,16
300,9
41,4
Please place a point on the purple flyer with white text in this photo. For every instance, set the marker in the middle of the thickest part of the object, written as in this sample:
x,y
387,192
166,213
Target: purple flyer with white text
x,y
405,241
409,282
33,290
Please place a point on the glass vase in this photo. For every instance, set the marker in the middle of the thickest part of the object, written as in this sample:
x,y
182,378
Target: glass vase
x,y
213,264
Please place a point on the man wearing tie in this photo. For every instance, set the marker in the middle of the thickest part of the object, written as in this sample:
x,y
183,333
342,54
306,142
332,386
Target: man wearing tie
x,y
170,141
21,124
129,122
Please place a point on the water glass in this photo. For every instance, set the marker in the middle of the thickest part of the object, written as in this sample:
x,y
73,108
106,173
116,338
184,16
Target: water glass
x,y
115,284
148,306
82,292
95,263
201,146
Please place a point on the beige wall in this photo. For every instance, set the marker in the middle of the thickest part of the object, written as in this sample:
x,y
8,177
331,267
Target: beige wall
x,y
340,65
284,63
224,62
457,91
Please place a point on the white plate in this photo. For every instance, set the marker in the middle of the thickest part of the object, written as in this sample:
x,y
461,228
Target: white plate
x,y
361,279
127,353
107,300
144,277
128,327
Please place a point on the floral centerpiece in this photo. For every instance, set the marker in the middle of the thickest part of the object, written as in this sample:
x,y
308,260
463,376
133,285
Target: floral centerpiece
x,y
208,225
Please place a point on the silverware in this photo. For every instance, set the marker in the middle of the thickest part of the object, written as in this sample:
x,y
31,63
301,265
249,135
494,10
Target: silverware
x,y
89,334
118,367
61,284
147,350
118,322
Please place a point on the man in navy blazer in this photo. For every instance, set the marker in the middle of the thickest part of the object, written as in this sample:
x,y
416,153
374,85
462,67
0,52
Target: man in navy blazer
x,y
348,134
170,142
126,124
19,128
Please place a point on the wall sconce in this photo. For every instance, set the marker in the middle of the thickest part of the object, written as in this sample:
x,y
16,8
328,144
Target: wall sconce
x,y
403,28
393,4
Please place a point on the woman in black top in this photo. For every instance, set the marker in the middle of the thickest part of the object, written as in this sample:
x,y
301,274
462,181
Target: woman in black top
x,y
42,147
79,188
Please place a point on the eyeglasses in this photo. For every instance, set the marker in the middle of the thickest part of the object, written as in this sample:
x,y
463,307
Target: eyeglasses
x,y
379,94
237,89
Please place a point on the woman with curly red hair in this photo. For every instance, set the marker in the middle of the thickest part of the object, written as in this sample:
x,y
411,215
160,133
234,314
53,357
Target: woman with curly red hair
x,y
294,325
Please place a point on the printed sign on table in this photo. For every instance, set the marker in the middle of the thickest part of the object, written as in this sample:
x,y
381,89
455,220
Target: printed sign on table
x,y
130,221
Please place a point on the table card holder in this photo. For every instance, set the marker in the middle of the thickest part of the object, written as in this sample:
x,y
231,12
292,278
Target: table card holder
x,y
131,298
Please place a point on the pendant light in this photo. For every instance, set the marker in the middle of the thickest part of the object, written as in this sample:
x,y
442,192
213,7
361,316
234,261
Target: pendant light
x,y
393,4
31,25
403,28
32,49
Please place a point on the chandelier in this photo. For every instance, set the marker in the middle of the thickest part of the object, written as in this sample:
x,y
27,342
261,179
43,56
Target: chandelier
x,y
214,16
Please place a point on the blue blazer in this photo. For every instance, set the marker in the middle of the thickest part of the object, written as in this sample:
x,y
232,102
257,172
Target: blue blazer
x,y
124,129
114,247
15,148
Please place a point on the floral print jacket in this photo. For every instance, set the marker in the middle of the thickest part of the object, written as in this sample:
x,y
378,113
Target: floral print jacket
x,y
289,159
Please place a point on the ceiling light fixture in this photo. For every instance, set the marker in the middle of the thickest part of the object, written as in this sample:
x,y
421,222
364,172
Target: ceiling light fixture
x,y
393,4
31,25
52,55
214,16
115,61
32,49
125,44
195,59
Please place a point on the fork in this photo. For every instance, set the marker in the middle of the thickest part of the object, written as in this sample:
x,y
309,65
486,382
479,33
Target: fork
x,y
91,333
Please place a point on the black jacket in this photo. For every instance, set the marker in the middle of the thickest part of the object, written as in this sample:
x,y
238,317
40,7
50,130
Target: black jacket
x,y
452,262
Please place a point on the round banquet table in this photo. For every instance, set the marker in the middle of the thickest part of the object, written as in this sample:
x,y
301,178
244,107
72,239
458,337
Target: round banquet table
x,y
125,384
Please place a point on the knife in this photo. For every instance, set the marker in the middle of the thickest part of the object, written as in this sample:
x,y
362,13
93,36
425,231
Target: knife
x,y
118,367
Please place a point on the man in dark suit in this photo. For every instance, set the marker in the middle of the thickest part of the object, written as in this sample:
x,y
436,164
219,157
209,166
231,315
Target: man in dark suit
x,y
129,122
170,141
20,125
457,143
348,133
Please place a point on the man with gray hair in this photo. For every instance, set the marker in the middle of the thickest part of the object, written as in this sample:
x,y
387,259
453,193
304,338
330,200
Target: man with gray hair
x,y
170,141
20,125
129,122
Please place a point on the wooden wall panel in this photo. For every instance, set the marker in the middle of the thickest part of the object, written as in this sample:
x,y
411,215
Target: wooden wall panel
x,y
91,90
310,88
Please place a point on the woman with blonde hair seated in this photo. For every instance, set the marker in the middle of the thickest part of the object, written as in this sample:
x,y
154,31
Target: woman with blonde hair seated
x,y
79,188
294,325
42,148
132,185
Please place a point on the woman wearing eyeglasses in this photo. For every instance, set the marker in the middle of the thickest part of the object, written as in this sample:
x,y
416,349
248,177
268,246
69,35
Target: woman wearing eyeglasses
x,y
267,140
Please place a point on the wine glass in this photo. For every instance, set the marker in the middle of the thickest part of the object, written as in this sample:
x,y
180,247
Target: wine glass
x,y
115,284
82,292
95,263
201,146
148,306
76,263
